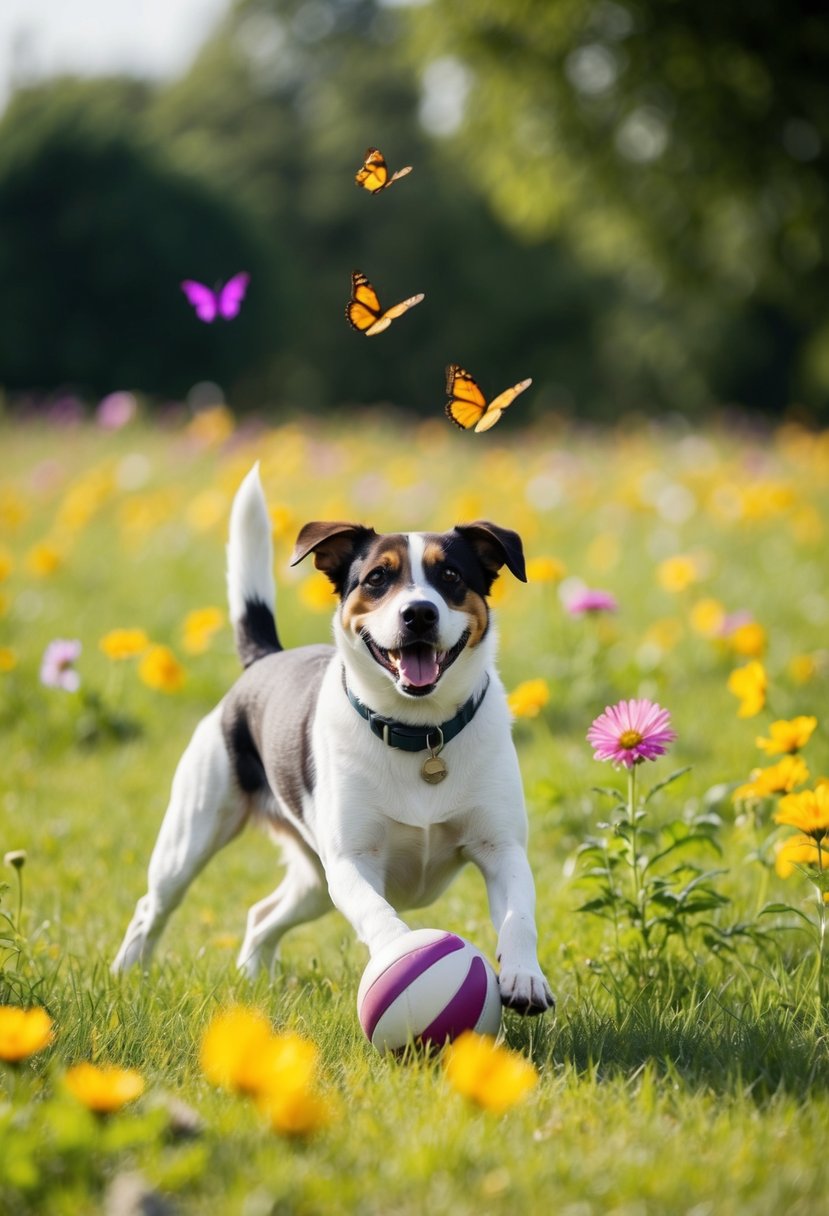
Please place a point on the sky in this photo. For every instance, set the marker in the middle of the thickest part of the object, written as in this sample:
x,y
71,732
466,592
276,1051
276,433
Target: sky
x,y
157,38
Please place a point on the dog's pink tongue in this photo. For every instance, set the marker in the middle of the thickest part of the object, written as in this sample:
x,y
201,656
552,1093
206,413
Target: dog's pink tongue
x,y
418,666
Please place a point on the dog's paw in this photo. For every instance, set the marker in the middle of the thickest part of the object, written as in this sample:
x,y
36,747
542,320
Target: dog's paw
x,y
526,992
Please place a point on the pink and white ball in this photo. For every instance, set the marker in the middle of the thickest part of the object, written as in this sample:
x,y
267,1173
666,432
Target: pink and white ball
x,y
428,987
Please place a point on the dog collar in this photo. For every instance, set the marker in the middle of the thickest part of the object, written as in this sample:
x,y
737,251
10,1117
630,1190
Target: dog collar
x,y
416,738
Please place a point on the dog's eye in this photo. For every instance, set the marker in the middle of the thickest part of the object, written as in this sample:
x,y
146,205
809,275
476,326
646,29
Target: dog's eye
x,y
450,575
377,578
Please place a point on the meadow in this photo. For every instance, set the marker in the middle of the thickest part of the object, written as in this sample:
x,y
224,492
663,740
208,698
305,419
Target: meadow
x,y
686,1067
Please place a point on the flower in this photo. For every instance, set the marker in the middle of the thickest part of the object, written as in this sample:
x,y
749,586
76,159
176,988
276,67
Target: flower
x,y
16,858
545,570
240,1052
587,602
316,593
807,811
749,684
529,698
103,1089
630,732
160,669
800,851
780,778
678,573
199,627
707,616
57,666
233,1049
787,736
121,644
8,659
116,410
23,1032
490,1075
43,559
747,639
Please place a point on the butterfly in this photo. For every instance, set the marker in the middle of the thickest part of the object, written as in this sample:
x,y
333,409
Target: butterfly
x,y
224,302
468,407
363,309
374,175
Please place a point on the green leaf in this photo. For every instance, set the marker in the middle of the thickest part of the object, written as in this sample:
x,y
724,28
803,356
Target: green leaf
x,y
660,785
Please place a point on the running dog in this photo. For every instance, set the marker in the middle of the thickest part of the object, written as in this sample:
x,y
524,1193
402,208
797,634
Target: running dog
x,y
381,764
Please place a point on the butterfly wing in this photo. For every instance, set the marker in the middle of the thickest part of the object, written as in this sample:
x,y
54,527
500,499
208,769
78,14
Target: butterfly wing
x,y
374,175
496,407
203,299
467,404
374,172
392,313
363,309
229,299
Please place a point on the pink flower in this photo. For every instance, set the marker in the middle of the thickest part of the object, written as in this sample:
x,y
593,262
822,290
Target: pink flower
x,y
116,410
631,732
57,668
588,601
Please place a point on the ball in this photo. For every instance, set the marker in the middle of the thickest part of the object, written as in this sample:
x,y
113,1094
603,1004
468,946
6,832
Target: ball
x,y
428,987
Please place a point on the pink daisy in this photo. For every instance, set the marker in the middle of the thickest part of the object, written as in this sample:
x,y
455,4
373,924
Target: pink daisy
x,y
57,668
589,601
631,732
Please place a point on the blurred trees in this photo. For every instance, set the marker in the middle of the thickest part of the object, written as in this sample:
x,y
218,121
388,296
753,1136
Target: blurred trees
x,y
97,232
622,198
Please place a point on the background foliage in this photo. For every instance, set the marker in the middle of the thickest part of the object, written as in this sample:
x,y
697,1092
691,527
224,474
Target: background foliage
x,y
626,201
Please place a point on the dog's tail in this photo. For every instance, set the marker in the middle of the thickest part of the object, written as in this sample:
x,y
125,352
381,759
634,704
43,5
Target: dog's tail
x,y
250,583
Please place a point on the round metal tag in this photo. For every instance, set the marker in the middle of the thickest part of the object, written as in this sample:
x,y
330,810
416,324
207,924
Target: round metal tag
x,y
433,770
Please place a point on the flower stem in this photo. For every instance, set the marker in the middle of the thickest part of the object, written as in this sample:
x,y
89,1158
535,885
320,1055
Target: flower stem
x,y
634,857
821,911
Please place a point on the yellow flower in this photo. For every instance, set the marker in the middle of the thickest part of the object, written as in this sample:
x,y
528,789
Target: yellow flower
x,y
807,811
199,628
780,778
799,851
529,698
233,1049
316,593
43,559
748,640
212,426
240,1052
493,1076
103,1089
678,573
545,570
161,670
294,1112
121,644
8,659
707,616
749,684
23,1032
787,736
802,668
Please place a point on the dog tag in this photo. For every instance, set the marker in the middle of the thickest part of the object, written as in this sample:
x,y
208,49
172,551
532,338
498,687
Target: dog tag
x,y
433,770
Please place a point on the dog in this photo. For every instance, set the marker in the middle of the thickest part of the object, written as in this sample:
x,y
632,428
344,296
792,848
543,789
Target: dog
x,y
381,764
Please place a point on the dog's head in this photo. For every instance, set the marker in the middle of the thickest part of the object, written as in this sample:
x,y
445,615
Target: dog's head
x,y
413,607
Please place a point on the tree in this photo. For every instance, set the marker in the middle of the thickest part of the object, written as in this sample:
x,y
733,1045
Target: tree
x,y
96,232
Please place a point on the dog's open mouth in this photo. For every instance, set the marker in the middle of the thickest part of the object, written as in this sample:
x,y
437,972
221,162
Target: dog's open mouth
x,y
416,667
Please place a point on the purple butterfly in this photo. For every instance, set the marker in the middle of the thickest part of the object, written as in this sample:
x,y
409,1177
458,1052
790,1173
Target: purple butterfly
x,y
224,302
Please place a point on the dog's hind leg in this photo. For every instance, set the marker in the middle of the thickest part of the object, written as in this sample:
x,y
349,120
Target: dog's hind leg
x,y
205,812
301,896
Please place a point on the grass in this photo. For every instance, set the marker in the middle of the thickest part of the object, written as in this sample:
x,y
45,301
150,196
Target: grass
x,y
697,1087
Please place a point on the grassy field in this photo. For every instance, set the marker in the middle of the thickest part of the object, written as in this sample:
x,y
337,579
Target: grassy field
x,y
686,1068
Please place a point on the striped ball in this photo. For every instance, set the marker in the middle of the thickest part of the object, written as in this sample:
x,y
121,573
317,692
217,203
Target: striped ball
x,y
427,987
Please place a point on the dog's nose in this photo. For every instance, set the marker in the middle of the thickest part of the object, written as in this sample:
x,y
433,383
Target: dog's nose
x,y
419,617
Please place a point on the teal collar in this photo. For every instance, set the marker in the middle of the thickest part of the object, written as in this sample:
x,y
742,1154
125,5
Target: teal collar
x,y
416,738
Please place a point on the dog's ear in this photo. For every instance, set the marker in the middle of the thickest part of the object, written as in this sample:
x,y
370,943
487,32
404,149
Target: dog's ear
x,y
334,546
495,547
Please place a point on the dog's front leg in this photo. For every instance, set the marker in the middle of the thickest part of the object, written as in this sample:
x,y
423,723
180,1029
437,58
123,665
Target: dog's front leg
x,y
511,893
356,882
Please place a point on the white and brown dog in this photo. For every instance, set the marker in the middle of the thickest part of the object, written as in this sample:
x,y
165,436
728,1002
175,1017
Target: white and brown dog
x,y
381,764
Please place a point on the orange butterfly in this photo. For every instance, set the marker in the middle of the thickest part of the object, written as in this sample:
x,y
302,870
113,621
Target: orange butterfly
x,y
374,175
363,310
468,407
